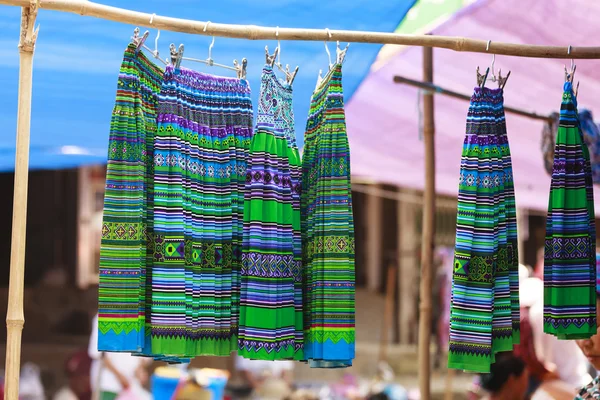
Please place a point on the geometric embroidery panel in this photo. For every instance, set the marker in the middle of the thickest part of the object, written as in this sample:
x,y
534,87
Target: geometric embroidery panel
x,y
203,254
122,231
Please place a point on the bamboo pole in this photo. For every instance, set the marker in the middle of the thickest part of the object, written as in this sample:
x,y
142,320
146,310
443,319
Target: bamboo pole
x,y
252,32
374,206
439,90
14,317
428,232
449,391
388,313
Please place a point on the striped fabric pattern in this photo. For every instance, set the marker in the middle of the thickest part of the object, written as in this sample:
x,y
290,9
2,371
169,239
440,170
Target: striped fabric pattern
x,y
597,272
328,230
570,250
271,291
590,391
200,157
484,316
123,249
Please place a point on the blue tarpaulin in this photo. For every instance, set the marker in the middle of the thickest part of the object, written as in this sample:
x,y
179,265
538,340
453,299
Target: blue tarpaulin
x,y
77,60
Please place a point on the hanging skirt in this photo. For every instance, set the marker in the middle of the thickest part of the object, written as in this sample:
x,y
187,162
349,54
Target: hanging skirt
x,y
328,230
123,249
271,291
484,316
570,251
200,157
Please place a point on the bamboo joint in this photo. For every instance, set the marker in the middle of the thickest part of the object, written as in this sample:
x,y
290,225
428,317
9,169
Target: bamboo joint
x,y
16,323
28,31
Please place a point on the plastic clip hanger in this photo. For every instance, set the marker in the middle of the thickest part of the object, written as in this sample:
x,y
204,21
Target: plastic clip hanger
x,y
140,42
154,52
499,79
240,69
275,60
570,74
320,77
327,48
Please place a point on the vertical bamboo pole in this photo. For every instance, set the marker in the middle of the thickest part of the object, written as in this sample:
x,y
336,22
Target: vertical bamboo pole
x,y
428,231
408,269
14,316
450,374
388,313
374,239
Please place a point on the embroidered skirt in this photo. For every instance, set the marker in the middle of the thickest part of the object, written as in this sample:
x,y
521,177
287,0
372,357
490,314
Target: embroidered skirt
x,y
271,292
570,251
200,157
328,230
484,317
123,250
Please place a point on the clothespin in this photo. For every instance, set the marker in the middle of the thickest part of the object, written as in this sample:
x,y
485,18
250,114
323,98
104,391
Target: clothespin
x,y
241,68
319,79
270,59
176,56
482,78
290,76
501,80
139,41
341,54
570,74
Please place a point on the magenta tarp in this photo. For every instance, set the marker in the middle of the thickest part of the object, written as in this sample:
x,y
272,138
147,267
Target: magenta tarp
x,y
383,117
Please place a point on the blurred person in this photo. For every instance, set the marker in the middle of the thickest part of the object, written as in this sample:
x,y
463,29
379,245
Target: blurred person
x,y
113,374
303,394
378,396
591,350
538,269
507,380
30,382
77,369
530,289
191,390
571,369
260,373
538,372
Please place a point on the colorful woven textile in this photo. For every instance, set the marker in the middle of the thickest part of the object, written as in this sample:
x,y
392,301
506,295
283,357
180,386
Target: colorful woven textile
x,y
590,391
598,273
200,156
123,250
271,291
484,316
570,250
549,141
591,137
328,230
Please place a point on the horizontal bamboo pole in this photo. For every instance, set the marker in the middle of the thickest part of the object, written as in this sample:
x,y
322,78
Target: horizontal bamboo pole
x,y
439,90
91,9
